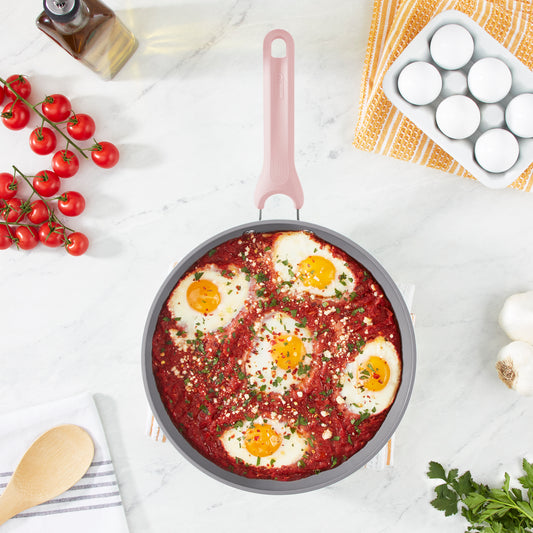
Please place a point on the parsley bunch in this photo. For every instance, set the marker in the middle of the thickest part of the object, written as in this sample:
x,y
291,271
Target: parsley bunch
x,y
489,510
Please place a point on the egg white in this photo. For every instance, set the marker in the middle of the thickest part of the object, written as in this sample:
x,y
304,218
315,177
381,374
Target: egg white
x,y
292,449
357,398
291,248
261,368
233,294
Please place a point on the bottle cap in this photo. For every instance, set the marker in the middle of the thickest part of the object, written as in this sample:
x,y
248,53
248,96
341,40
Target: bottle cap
x,y
61,10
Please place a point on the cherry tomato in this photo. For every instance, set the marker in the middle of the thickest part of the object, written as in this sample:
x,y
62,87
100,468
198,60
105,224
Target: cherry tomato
x,y
65,163
38,212
46,183
71,203
52,234
15,115
6,237
43,140
2,93
80,126
8,186
19,84
12,210
76,243
26,237
56,107
105,154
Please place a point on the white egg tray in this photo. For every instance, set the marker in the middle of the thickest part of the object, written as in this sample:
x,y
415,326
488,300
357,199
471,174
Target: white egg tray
x,y
492,115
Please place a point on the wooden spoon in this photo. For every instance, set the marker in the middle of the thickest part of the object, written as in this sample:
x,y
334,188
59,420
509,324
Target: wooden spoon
x,y
51,465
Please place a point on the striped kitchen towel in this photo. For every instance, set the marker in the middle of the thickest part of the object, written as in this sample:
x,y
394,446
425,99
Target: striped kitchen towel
x,y
381,460
381,128
94,503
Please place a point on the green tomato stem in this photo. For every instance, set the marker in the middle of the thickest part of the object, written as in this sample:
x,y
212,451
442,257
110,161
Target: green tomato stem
x,y
53,216
45,119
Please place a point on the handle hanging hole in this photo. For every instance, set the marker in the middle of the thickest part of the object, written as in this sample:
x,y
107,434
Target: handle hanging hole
x,y
278,48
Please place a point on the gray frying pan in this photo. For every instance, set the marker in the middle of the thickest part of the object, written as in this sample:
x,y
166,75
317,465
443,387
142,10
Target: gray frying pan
x,y
279,177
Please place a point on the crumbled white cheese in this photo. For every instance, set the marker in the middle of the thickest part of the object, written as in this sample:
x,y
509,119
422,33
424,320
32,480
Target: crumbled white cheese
x,y
327,434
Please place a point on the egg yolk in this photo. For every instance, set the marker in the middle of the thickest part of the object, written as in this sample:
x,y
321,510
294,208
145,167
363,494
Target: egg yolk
x,y
288,351
316,271
262,440
374,374
203,296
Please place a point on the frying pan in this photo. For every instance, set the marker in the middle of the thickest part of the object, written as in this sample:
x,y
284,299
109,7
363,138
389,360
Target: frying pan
x,y
279,177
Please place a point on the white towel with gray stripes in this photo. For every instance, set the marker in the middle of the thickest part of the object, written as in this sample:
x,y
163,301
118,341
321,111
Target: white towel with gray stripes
x,y
94,503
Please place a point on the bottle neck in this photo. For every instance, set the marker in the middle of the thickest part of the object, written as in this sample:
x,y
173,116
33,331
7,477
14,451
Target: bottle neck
x,y
77,23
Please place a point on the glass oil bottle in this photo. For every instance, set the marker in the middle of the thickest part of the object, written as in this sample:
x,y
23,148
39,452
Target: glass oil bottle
x,y
89,31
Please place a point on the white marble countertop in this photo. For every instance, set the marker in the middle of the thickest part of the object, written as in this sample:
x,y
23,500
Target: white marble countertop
x,y
186,113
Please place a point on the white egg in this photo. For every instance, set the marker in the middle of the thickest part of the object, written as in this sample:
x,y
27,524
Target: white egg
x,y
496,150
371,380
419,83
281,355
306,265
458,116
451,46
265,442
207,299
519,115
489,80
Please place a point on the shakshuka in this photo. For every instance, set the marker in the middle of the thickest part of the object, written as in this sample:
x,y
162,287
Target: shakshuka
x,y
277,356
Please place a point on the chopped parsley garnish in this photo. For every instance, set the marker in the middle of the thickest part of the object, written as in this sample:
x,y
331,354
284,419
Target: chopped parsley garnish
x,y
260,277
212,252
303,369
301,421
358,421
293,312
198,275
302,323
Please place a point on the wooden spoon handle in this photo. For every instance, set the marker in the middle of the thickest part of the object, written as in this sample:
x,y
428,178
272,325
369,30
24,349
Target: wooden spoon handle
x,y
11,503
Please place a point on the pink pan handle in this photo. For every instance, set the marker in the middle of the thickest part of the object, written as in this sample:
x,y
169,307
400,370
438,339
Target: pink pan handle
x,y
279,173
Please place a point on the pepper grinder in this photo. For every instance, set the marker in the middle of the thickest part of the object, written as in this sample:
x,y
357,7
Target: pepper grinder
x,y
89,31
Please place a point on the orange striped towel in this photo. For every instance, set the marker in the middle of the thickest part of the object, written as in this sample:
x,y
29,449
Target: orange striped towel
x,y
381,127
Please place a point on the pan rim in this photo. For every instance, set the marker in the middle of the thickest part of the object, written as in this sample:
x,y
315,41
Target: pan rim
x,y
372,447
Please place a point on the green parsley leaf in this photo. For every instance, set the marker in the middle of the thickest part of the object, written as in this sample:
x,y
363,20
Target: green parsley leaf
x,y
488,510
198,275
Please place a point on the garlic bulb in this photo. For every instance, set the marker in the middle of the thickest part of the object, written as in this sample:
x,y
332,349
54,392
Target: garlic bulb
x,y
515,366
516,317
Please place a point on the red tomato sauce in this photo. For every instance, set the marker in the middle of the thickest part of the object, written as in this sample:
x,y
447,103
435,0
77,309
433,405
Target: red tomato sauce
x,y
204,386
